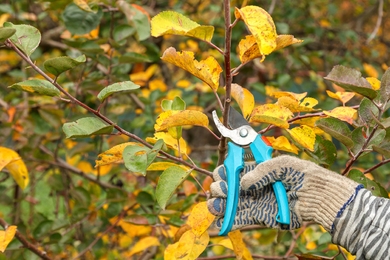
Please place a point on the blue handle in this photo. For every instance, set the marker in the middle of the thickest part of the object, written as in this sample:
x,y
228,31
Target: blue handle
x,y
234,164
262,152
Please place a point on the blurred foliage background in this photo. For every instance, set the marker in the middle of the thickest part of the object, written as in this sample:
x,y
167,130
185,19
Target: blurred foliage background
x,y
62,211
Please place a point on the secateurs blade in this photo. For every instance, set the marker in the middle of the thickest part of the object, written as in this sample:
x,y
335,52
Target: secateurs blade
x,y
242,134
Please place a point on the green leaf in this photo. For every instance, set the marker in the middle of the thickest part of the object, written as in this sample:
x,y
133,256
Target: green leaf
x,y
6,32
337,129
383,149
169,180
37,86
385,85
124,86
178,104
137,19
351,80
122,32
152,154
136,158
58,65
325,151
367,111
375,188
85,127
358,138
377,138
26,37
133,57
77,21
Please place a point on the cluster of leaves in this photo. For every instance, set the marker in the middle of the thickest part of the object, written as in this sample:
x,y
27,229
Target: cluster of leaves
x,y
105,127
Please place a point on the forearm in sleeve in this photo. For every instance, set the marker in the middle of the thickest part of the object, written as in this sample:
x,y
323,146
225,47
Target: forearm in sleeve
x,y
363,227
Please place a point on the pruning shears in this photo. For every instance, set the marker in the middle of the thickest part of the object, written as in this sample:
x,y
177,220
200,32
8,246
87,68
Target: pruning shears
x,y
242,134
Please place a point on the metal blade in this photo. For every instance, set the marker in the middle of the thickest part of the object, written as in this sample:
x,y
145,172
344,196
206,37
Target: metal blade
x,y
235,119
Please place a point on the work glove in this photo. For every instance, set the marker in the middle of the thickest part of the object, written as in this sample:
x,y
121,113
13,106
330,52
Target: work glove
x,y
314,193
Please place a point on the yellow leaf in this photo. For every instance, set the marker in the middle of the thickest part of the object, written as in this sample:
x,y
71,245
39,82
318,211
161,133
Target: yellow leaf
x,y
15,165
170,142
157,84
200,219
285,40
272,114
295,106
162,166
261,25
113,155
295,96
347,114
207,70
183,83
244,98
248,49
304,135
170,22
6,237
142,77
283,144
344,97
370,70
131,229
189,247
172,118
239,246
4,18
375,83
226,243
309,121
143,244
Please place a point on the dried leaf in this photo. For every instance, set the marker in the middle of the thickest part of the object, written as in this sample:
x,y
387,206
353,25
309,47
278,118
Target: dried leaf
x,y
272,114
304,135
6,237
200,218
295,96
113,155
239,246
248,49
244,98
347,114
207,70
15,165
283,41
170,22
189,247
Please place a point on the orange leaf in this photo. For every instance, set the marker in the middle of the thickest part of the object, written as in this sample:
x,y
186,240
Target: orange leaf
x,y
244,98
239,246
189,188
206,70
200,218
248,49
6,237
272,114
370,70
347,114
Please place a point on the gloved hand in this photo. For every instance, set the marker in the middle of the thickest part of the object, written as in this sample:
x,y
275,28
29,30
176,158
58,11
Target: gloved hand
x,y
314,193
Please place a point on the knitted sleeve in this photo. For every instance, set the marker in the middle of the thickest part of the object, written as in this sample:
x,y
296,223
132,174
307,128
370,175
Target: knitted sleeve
x,y
363,227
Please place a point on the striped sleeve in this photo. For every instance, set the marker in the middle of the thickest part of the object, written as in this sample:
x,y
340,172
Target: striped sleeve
x,y
364,227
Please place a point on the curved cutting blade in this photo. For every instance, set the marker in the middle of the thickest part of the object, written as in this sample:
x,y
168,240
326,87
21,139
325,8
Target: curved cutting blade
x,y
235,119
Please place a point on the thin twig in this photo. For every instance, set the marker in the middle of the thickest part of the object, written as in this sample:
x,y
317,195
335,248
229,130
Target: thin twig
x,y
377,166
30,246
378,22
97,113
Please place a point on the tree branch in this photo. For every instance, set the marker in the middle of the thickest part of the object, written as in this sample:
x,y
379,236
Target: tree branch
x,y
98,114
30,246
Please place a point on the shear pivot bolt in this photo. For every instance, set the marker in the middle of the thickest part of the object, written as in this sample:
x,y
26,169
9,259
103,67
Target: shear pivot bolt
x,y
243,132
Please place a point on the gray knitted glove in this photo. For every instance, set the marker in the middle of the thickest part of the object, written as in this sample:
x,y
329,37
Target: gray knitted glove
x,y
314,193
